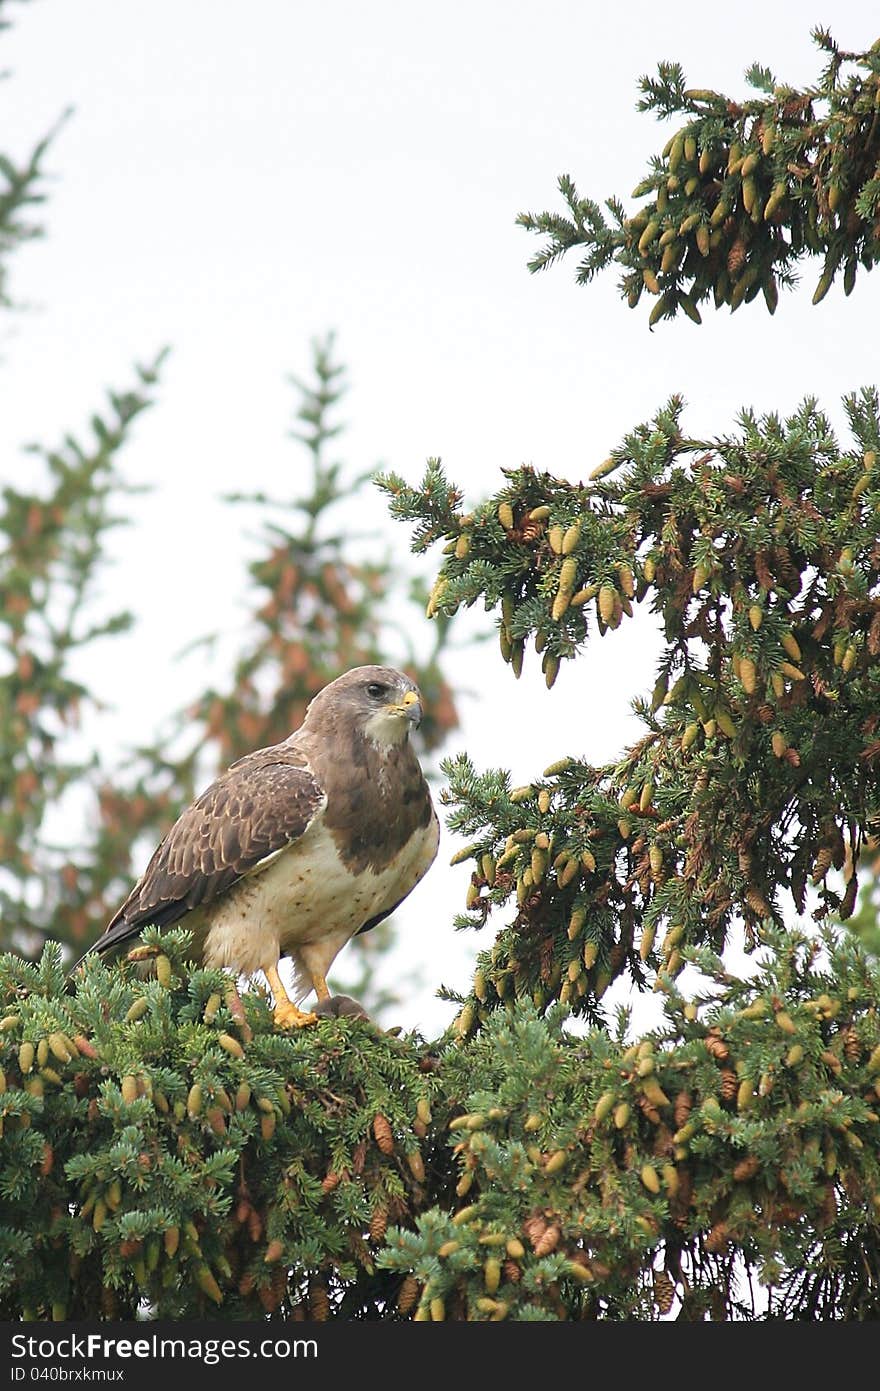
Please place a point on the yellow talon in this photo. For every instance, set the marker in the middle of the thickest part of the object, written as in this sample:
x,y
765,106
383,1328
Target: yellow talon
x,y
287,1016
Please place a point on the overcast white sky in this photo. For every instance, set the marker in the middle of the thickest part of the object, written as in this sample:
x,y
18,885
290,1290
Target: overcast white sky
x,y
238,179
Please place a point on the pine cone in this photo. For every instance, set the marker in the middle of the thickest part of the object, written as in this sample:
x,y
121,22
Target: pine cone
x,y
664,1291
728,1084
548,1242
716,1046
530,531
383,1134
736,258
649,1110
408,1294
378,1224
716,1239
757,902
534,1228
851,1045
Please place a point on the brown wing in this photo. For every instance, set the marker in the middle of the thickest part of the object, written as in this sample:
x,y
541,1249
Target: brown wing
x,y
261,804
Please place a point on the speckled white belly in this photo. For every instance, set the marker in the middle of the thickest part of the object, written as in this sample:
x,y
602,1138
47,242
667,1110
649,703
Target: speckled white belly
x,y
306,900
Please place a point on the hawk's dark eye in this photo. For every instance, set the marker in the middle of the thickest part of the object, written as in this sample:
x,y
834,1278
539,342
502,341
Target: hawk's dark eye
x,y
376,690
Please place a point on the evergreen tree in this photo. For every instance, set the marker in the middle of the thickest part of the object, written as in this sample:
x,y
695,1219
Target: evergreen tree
x,y
53,529
53,533
164,1149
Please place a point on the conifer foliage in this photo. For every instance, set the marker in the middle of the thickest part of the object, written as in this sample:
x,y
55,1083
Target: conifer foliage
x,y
165,1151
742,192
162,1147
757,774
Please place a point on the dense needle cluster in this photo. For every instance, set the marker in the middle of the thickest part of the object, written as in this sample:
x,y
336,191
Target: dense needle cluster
x,y
742,193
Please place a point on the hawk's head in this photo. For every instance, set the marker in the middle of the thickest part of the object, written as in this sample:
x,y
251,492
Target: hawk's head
x,y
382,704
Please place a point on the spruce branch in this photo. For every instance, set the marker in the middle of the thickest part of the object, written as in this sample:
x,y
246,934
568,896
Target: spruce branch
x,y
755,782
741,194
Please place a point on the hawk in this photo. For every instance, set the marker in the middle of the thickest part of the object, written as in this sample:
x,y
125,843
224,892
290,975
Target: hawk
x,y
298,847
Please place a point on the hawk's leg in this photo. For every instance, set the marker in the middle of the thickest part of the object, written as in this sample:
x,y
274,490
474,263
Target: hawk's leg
x,y
287,1016
321,988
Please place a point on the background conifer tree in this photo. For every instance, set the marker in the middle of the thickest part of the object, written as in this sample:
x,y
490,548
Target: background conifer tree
x,y
314,609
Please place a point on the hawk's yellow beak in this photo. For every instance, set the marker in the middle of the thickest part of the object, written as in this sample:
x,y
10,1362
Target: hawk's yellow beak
x,y
410,707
